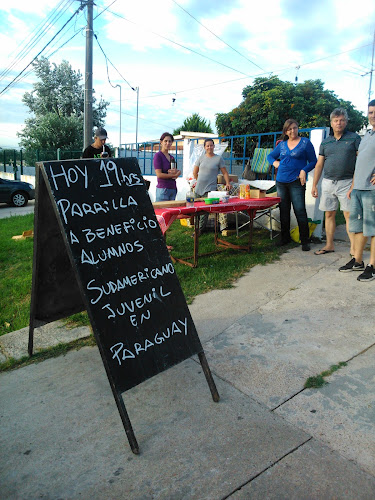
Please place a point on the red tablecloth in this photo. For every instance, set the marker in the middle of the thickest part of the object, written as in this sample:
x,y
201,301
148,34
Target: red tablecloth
x,y
166,216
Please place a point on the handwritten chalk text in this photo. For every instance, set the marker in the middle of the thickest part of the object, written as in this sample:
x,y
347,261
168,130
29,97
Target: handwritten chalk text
x,y
112,287
120,353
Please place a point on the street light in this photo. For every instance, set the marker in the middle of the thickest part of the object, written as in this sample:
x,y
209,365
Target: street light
x,y
136,124
119,143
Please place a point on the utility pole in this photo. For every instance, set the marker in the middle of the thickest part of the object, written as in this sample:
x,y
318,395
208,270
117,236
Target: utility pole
x,y
87,118
372,69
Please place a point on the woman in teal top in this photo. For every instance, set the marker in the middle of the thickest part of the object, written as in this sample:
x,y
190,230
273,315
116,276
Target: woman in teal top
x,y
293,158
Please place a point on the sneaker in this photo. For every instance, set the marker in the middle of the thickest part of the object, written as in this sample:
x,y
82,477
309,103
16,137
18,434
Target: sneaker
x,y
368,274
305,247
352,265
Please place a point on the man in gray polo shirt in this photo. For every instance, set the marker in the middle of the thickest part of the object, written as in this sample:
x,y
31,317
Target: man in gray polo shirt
x,y
362,209
337,155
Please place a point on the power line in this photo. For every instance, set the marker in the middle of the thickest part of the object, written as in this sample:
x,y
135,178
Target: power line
x,y
107,59
25,68
40,33
143,119
180,45
278,72
214,34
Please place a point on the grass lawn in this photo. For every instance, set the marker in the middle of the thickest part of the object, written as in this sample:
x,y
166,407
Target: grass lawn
x,y
216,271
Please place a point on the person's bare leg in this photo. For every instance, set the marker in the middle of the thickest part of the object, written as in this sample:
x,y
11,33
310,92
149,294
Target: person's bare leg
x,y
330,226
372,252
351,235
359,245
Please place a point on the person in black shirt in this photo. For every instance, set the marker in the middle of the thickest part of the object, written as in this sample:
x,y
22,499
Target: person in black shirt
x,y
98,149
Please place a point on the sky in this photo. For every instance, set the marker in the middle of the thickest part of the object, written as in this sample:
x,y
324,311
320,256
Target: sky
x,y
185,56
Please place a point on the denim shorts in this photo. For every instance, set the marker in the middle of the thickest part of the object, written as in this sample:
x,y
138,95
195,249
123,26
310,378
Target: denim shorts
x,y
362,212
165,194
332,193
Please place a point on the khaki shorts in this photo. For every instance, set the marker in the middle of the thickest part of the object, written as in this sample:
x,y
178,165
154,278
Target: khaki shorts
x,y
334,192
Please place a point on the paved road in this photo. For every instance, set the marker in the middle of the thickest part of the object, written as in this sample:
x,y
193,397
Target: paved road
x,y
7,211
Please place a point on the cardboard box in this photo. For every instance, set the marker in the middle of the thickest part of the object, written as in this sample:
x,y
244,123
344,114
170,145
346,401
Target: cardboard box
x,y
271,195
257,193
232,178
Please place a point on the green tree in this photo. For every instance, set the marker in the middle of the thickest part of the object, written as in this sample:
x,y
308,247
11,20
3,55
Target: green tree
x,y
269,102
194,123
56,104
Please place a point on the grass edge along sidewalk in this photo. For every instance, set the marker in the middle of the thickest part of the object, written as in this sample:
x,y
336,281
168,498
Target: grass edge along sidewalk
x,y
217,271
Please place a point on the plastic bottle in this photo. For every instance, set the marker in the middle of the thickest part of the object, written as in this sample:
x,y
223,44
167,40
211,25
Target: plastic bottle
x,y
190,198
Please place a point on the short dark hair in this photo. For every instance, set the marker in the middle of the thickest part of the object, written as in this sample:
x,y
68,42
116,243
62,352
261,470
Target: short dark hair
x,y
286,125
371,103
208,140
166,134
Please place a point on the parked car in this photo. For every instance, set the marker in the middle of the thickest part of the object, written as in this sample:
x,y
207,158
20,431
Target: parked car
x,y
16,193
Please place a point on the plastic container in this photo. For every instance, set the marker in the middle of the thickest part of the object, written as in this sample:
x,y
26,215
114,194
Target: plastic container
x,y
211,201
190,198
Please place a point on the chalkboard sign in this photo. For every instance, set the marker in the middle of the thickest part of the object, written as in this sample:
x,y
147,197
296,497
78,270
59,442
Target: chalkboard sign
x,y
98,246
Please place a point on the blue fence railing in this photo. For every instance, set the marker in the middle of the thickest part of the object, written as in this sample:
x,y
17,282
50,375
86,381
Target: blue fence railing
x,y
239,151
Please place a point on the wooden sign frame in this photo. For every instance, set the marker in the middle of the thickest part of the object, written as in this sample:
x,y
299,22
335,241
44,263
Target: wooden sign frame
x,y
62,254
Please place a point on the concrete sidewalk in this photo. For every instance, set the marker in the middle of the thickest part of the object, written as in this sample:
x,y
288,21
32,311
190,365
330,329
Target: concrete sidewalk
x,y
62,437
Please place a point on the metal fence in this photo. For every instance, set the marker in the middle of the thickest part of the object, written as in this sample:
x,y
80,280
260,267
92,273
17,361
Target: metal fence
x,y
239,151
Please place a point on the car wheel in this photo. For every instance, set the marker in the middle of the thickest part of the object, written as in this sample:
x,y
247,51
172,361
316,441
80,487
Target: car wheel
x,y
19,199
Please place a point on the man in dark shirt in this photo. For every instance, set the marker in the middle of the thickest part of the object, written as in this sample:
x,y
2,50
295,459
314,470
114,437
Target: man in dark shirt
x,y
337,155
98,149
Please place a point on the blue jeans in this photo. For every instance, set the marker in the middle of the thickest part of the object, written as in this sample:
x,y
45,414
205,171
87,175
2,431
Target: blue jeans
x,y
293,193
165,194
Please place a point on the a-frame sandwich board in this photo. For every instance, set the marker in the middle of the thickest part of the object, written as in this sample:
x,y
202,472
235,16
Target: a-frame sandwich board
x,y
98,246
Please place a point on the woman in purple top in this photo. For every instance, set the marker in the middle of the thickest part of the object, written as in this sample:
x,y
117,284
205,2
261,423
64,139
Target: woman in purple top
x,y
166,188
294,157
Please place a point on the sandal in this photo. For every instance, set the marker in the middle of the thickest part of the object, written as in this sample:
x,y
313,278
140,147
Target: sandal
x,y
322,251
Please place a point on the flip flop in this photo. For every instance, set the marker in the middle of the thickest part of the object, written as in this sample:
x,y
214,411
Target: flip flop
x,y
322,251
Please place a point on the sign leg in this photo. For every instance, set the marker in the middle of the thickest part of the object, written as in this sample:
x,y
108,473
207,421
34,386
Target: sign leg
x,y
126,422
31,338
208,375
